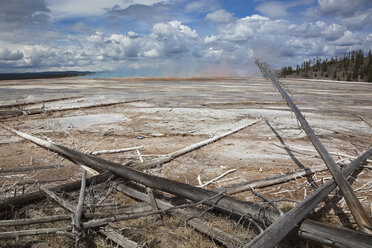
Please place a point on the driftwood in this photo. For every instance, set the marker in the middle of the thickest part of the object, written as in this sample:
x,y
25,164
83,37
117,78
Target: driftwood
x,y
90,224
30,221
13,202
17,234
272,180
183,151
278,230
152,201
58,199
79,210
225,204
13,113
80,205
34,168
345,237
116,150
214,179
183,215
351,199
141,207
119,239
36,182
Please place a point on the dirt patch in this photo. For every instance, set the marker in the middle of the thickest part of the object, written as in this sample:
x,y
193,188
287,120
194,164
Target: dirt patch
x,y
175,113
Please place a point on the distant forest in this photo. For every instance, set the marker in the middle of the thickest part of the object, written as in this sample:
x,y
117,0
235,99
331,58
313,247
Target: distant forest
x,y
39,75
354,66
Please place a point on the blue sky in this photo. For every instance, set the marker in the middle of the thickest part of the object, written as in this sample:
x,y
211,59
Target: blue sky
x,y
177,37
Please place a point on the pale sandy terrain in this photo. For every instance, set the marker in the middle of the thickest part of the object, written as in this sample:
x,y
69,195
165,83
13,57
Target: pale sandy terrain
x,y
174,113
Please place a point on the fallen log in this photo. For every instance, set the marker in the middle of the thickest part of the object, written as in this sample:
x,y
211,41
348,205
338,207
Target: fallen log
x,y
80,205
351,199
62,217
183,151
58,199
183,215
116,150
320,233
225,204
17,234
36,182
272,180
21,200
34,168
283,225
119,239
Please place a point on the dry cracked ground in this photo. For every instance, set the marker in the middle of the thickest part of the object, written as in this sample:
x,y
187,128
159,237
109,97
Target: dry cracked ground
x,y
166,114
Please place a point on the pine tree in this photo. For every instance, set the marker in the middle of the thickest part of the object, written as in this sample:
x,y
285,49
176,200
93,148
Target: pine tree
x,y
369,58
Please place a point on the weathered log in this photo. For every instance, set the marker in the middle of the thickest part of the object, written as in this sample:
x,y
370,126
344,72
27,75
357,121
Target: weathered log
x,y
183,215
34,168
21,200
351,199
116,150
58,199
152,201
272,180
137,208
17,234
183,151
119,239
284,224
344,237
80,205
38,220
225,204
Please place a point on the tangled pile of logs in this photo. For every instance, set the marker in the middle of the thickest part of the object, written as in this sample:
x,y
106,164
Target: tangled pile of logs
x,y
271,223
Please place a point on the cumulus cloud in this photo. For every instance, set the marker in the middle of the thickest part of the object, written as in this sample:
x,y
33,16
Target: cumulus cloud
x,y
5,54
340,7
178,38
220,16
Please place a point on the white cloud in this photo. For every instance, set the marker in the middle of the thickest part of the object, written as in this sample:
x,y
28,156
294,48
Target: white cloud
x,y
220,16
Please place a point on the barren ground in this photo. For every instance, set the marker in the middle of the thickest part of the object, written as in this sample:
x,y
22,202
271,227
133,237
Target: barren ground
x,y
173,113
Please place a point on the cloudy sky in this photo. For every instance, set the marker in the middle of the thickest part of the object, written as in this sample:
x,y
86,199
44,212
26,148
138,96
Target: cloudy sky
x,y
177,37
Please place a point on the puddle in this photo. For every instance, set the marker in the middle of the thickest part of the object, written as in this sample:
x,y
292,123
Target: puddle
x,y
78,121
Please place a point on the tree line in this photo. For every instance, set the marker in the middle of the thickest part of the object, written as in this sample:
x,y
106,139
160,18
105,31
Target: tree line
x,y
353,66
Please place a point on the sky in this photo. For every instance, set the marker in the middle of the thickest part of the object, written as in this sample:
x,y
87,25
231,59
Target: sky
x,y
177,37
